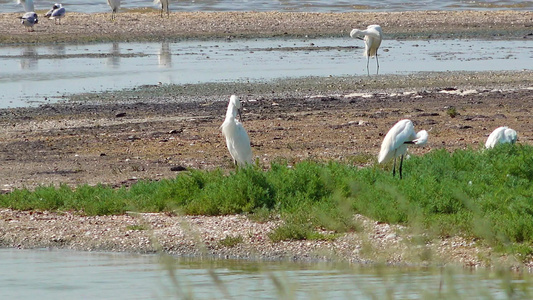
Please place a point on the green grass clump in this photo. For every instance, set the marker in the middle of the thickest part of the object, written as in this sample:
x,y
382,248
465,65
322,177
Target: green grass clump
x,y
486,194
231,241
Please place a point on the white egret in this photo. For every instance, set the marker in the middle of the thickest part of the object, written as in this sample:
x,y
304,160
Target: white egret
x,y
29,19
56,13
115,5
396,141
164,6
373,36
501,135
27,4
237,139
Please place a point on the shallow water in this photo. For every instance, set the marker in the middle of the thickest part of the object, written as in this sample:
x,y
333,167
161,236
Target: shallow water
x,y
33,75
28,274
284,5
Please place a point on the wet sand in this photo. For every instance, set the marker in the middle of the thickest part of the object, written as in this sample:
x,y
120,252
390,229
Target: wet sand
x,y
121,137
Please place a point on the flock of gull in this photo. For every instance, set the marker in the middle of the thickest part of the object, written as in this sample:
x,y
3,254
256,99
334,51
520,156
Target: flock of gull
x,y
57,11
394,144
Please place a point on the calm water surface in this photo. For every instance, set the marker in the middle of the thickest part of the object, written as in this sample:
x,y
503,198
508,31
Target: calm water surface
x,y
32,75
283,5
43,274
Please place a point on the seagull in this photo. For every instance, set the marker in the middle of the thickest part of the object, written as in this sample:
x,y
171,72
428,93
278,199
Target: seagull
x,y
396,141
29,19
56,13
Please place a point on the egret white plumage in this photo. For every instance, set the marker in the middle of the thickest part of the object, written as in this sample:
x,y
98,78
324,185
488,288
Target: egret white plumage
x,y
29,19
501,135
396,141
115,5
237,139
27,4
56,13
373,35
164,6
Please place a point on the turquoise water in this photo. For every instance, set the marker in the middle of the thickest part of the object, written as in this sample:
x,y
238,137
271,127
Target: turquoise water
x,y
283,5
44,274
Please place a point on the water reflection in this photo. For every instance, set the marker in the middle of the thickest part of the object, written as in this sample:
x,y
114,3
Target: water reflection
x,y
164,57
113,59
29,58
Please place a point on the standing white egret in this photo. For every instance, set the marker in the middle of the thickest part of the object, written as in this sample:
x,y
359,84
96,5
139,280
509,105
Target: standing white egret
x,y
29,19
237,139
164,6
373,36
56,13
27,4
395,142
501,135
115,5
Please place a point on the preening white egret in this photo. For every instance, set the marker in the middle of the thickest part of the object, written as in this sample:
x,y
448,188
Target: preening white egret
x,y
396,141
501,135
164,6
237,139
373,36
29,19
27,4
56,13
115,5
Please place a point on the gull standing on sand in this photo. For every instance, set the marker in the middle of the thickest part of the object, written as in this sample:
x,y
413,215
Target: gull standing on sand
x,y
501,135
115,5
29,19
396,141
373,36
237,139
164,6
56,13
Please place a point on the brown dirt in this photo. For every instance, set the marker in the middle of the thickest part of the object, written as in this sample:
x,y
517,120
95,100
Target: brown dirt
x,y
144,135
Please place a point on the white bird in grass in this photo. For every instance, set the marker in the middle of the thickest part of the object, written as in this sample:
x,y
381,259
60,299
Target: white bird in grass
x,y
164,6
237,139
115,5
27,4
29,19
56,13
501,135
396,141
373,36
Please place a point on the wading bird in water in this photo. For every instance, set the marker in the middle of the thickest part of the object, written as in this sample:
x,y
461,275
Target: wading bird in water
x,y
237,139
501,135
115,5
373,36
396,141
164,6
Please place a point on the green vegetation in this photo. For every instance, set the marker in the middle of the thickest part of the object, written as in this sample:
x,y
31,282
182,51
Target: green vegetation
x,y
484,194
231,241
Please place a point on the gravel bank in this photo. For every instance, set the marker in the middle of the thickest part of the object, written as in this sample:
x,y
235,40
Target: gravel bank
x,y
147,25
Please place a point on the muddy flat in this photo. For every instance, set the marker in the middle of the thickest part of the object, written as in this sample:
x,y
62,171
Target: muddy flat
x,y
153,132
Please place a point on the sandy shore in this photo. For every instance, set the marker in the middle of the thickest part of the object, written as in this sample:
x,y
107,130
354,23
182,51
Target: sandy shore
x,y
118,138
147,25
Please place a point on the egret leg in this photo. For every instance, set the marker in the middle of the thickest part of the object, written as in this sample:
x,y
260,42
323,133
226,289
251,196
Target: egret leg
x,y
367,61
401,163
377,63
394,167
